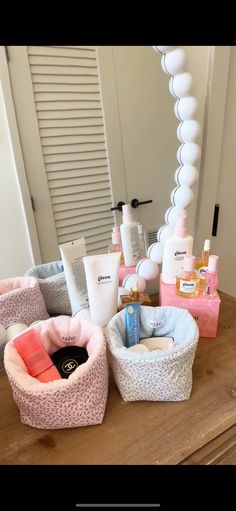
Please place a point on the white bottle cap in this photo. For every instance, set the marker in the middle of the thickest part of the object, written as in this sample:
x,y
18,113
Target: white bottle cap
x,y
207,245
189,263
127,214
116,240
212,263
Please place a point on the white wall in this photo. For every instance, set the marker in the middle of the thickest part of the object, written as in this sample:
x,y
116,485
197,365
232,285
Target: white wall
x,y
15,253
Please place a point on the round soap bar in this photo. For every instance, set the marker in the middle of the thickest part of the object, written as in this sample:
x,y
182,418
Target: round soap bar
x,y
3,335
139,348
158,343
14,330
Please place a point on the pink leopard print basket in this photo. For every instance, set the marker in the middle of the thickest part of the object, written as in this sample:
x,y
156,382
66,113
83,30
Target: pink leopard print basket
x,y
21,301
79,400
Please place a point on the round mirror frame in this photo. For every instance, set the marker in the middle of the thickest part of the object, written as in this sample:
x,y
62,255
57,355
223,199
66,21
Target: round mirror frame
x,y
174,64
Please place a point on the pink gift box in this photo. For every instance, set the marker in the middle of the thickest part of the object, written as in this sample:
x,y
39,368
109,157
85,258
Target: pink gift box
x,y
204,310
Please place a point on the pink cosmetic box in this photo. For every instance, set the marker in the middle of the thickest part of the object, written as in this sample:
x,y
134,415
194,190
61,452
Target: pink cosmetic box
x,y
125,270
204,310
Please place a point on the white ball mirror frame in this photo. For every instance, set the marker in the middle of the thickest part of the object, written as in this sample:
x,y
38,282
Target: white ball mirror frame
x,y
174,64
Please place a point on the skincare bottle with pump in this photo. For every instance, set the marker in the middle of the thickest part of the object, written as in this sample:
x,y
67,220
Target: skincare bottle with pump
x,y
116,245
202,262
211,277
129,237
176,248
187,280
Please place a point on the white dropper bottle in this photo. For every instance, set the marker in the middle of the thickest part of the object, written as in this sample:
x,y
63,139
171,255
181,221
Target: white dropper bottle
x,y
176,248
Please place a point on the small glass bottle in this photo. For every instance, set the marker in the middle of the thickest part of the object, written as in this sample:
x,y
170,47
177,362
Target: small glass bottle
x,y
202,263
116,245
134,292
211,277
136,296
187,280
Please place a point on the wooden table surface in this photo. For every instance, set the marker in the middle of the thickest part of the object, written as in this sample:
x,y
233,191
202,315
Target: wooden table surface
x,y
138,432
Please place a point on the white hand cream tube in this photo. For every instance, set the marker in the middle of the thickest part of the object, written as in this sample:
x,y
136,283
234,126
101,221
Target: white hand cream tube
x,y
102,275
72,254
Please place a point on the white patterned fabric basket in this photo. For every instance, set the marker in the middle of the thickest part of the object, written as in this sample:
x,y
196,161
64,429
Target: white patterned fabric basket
x,y
52,283
155,375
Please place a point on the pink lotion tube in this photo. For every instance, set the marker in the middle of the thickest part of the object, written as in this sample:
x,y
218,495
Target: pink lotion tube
x,y
35,357
211,277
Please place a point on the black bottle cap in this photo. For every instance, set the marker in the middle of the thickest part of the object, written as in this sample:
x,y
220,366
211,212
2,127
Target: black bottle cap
x,y
67,359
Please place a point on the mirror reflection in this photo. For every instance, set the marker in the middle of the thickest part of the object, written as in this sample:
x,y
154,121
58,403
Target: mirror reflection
x,y
93,126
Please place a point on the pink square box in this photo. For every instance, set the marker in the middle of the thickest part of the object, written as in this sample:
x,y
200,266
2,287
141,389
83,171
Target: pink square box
x,y
204,310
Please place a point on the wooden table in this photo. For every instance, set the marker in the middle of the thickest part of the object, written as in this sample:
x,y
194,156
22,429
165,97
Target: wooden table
x,y
201,430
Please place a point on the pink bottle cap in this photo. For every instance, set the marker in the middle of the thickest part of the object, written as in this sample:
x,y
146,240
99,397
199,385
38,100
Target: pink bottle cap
x,y
127,214
189,263
180,226
116,240
212,263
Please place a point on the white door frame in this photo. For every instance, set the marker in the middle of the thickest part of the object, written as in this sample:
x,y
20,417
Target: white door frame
x,y
22,88
213,131
18,159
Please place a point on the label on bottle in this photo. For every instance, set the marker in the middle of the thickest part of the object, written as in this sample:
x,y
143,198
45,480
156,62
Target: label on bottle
x,y
202,272
187,286
179,255
134,241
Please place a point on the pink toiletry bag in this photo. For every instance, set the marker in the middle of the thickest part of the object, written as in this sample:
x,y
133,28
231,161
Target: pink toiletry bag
x,y
77,401
21,301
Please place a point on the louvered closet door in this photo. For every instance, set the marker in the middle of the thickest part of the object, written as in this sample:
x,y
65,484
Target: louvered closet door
x,y
57,98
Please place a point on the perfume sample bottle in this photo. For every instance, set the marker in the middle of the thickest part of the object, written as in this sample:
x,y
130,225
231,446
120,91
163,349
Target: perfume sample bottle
x,y
116,245
211,277
135,296
187,280
201,263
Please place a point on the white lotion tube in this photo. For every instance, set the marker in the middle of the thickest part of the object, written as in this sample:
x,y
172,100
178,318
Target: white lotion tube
x,y
102,275
72,254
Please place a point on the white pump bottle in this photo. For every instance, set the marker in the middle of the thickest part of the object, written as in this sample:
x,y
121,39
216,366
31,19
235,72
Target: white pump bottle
x,y
129,237
175,248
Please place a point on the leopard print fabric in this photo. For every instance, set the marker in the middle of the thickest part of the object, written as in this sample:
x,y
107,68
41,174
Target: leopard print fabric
x,y
77,401
21,301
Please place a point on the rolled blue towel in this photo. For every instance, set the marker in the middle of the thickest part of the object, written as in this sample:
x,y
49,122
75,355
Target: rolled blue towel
x,y
52,283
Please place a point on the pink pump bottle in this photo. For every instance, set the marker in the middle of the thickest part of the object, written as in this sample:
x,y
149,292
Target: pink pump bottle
x,y
211,277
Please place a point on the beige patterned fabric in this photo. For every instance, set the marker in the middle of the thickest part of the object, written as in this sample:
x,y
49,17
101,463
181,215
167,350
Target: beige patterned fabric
x,y
53,286
155,375
21,301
